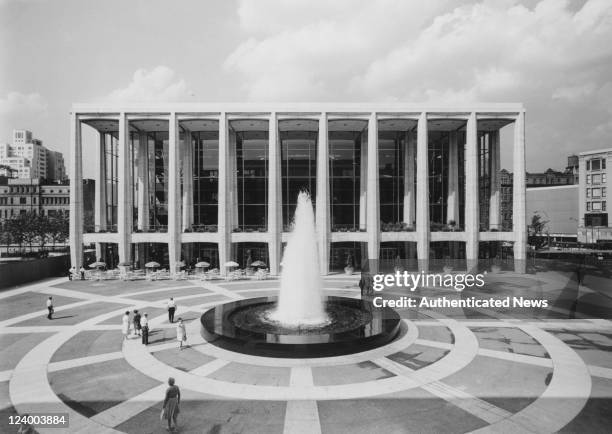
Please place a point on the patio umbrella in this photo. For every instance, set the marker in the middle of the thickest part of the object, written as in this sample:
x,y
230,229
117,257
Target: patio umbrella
x,y
230,264
258,264
202,264
97,264
180,264
152,264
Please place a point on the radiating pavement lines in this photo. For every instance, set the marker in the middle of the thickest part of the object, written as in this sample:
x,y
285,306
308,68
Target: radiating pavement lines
x,y
471,404
131,407
562,400
220,290
83,361
30,391
32,288
43,313
301,417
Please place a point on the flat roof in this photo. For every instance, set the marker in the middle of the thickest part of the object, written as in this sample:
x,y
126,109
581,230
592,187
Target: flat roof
x,y
309,107
553,187
596,151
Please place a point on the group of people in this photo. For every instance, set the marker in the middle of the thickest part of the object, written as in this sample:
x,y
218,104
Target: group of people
x,y
72,271
140,324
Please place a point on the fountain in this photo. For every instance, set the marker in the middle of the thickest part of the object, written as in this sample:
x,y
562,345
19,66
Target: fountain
x,y
301,321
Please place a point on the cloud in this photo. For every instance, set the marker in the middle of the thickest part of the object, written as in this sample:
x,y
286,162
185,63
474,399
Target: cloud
x,y
161,84
20,104
554,56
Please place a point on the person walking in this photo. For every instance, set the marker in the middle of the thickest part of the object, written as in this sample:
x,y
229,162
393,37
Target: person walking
x,y
144,325
171,310
172,400
136,322
70,272
125,325
50,307
181,333
82,271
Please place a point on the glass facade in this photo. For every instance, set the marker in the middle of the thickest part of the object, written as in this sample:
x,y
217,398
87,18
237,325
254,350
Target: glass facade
x,y
111,154
252,180
345,177
438,145
298,169
205,180
391,150
484,178
158,182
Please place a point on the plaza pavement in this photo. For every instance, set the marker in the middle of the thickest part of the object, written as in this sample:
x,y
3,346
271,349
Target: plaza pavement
x,y
476,371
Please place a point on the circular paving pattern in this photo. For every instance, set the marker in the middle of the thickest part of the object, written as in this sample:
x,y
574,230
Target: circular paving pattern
x,y
487,375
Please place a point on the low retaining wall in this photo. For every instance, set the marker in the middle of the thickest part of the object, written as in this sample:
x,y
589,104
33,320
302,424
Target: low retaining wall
x,y
20,272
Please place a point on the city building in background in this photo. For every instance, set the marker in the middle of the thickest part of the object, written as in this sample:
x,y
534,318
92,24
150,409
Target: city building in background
x,y
20,196
29,159
594,203
219,182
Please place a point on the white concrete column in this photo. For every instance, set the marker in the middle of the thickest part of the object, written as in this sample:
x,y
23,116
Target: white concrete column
x,y
363,176
409,199
100,199
174,188
275,198
519,219
224,206
187,169
234,218
422,196
76,193
495,198
373,205
472,225
322,208
124,191
143,181
452,201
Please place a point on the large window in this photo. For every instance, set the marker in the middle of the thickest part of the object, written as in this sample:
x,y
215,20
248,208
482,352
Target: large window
x,y
158,187
298,164
438,142
205,179
391,146
110,152
345,177
252,176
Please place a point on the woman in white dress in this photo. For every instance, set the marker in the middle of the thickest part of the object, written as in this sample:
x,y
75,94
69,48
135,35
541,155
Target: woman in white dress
x,y
125,325
181,333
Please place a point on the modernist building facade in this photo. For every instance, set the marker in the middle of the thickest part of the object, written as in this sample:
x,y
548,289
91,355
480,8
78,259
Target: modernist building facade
x,y
219,182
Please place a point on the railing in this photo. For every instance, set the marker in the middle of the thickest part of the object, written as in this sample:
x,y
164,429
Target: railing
x,y
347,228
250,228
202,228
100,229
153,229
396,227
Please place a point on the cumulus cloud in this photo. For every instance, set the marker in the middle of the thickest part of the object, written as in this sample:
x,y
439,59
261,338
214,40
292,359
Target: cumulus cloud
x,y
554,56
161,84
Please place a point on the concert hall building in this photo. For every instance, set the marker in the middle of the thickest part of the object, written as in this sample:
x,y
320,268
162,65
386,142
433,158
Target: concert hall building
x,y
219,182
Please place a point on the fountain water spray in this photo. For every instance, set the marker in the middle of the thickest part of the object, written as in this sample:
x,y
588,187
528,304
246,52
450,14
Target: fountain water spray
x,y
301,296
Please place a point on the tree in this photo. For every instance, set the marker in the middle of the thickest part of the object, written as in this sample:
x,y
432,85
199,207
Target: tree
x,y
59,228
536,228
41,227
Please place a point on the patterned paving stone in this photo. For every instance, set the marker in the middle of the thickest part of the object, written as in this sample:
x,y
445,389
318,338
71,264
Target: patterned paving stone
x,y
348,374
115,287
151,311
89,343
436,333
14,346
185,360
424,413
203,414
73,316
508,339
418,356
596,416
594,347
251,374
165,295
17,305
94,388
508,385
6,409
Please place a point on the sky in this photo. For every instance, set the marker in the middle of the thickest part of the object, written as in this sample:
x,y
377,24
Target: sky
x,y
554,56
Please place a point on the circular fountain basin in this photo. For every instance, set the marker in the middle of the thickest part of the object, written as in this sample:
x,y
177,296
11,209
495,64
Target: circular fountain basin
x,y
353,325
